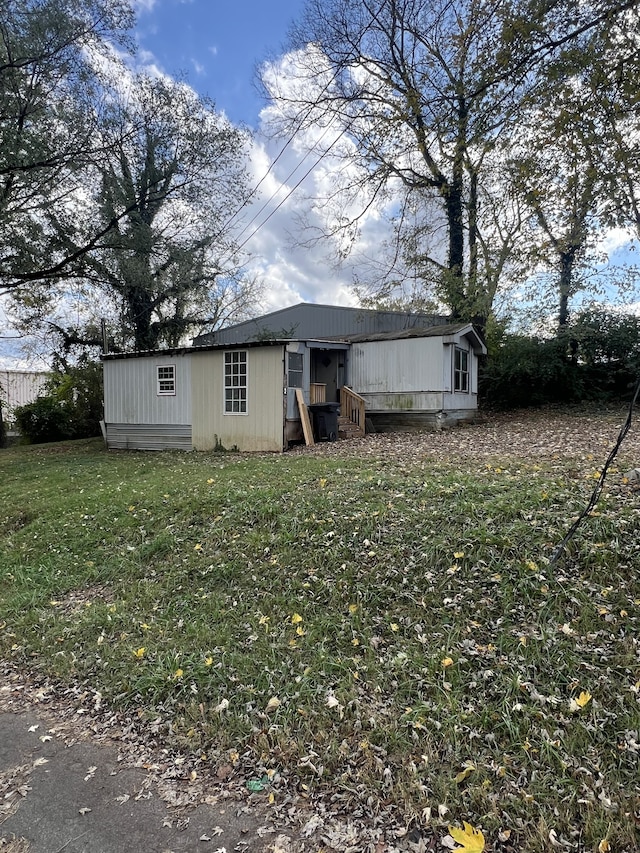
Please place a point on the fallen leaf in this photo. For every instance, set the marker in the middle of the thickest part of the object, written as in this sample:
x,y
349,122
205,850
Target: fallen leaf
x,y
272,704
583,699
469,767
470,839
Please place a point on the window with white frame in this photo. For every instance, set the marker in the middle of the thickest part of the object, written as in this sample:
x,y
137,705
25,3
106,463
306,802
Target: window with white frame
x,y
166,378
461,370
235,382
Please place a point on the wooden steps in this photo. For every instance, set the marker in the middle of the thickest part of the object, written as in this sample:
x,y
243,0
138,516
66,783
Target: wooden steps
x,y
347,429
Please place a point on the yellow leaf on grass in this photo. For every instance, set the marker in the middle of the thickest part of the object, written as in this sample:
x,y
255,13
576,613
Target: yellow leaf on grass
x,y
469,767
470,839
139,653
458,555
583,699
353,608
446,662
296,618
604,846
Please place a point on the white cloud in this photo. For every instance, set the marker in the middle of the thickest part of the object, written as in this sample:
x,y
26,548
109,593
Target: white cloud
x,y
615,239
144,5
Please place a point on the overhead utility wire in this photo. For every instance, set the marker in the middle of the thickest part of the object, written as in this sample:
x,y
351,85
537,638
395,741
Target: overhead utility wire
x,y
299,123
292,190
288,178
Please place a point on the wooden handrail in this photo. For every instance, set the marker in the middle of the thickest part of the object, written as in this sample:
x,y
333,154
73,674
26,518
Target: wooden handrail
x,y
317,393
352,406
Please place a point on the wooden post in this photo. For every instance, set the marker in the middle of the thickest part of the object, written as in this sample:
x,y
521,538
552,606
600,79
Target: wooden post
x,y
304,417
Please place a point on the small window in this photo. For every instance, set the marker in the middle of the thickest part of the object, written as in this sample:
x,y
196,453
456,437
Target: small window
x,y
235,383
296,361
166,380
461,370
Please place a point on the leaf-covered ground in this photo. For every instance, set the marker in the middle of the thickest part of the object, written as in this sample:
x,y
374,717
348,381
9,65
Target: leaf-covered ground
x,y
372,625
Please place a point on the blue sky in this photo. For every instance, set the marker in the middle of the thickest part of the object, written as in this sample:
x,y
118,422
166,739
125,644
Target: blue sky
x,y
217,45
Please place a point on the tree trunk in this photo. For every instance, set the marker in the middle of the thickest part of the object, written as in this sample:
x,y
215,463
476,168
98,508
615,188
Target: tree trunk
x,y
454,287
565,285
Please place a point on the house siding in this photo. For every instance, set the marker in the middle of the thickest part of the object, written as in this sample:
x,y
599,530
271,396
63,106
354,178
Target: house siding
x,y
262,427
383,372
462,403
136,417
17,388
148,436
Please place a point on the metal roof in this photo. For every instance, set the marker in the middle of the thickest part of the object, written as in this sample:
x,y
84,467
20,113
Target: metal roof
x,y
114,356
307,320
444,331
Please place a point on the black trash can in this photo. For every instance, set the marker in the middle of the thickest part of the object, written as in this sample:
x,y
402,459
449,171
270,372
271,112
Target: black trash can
x,y
325,421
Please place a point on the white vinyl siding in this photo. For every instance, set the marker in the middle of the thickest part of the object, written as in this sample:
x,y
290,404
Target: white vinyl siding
x,y
131,393
262,429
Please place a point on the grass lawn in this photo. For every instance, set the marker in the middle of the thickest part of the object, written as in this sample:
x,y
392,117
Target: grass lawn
x,y
375,622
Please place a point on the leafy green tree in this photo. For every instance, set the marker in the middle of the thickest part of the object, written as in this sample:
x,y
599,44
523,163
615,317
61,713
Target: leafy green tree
x,y
562,167
420,94
174,177
69,407
49,106
178,170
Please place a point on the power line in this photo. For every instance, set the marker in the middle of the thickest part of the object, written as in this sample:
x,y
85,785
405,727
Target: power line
x,y
292,190
285,180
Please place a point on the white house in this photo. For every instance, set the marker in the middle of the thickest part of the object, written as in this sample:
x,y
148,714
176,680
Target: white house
x,y
245,393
